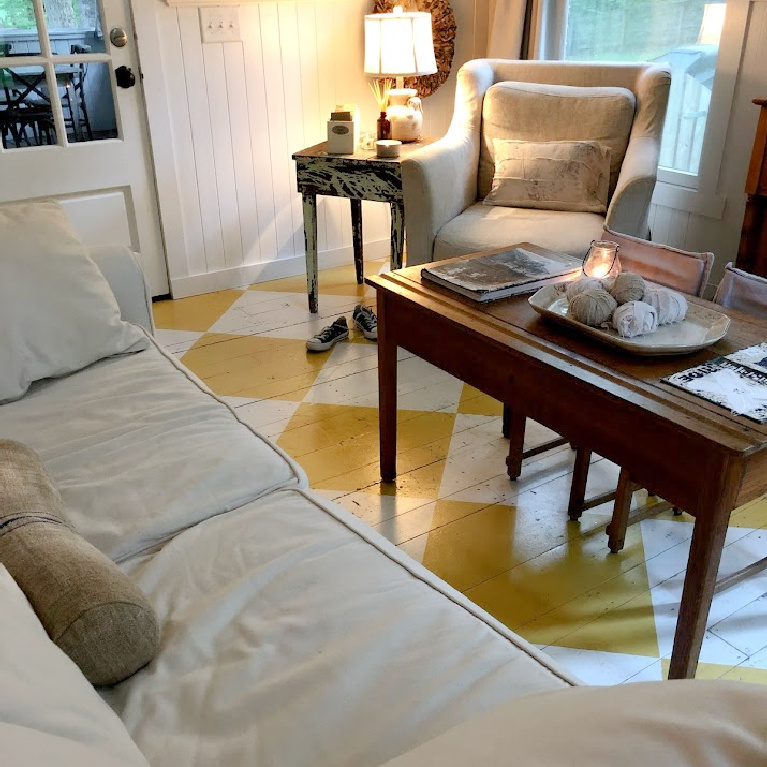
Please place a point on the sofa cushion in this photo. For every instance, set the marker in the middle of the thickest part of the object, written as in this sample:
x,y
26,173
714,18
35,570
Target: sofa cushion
x,y
295,635
56,309
49,714
538,112
482,227
551,175
665,724
140,449
93,612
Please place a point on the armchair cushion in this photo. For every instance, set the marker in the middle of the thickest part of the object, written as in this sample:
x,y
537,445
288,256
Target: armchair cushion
x,y
551,175
540,112
497,227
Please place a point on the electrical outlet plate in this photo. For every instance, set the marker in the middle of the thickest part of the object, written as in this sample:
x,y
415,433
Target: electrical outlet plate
x,y
220,24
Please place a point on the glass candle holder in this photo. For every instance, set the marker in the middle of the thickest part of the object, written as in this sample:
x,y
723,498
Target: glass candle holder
x,y
602,260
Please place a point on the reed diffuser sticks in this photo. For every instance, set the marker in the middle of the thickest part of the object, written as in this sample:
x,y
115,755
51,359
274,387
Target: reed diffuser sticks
x,y
381,90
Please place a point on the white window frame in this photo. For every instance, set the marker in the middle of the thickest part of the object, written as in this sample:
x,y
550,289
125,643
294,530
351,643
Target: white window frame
x,y
696,193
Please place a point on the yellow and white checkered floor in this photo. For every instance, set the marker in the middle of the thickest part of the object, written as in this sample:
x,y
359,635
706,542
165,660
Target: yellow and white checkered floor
x,y
508,546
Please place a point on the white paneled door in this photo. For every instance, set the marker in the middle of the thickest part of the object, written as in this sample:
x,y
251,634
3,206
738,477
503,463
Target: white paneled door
x,y
73,124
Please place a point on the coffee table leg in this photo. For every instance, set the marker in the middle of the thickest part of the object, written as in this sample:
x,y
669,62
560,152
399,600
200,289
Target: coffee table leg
x,y
310,245
721,485
357,237
699,582
397,234
517,422
387,393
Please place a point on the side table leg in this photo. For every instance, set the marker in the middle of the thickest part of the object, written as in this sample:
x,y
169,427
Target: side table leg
x,y
310,244
397,234
387,393
357,237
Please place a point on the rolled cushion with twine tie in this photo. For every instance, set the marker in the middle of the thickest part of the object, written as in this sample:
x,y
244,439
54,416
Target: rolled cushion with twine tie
x,y
91,610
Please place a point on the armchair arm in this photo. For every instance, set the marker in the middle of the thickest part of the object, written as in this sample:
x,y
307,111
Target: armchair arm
x,y
438,182
123,272
630,203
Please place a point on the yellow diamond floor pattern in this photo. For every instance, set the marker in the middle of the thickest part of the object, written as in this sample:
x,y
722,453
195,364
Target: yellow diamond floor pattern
x,y
508,546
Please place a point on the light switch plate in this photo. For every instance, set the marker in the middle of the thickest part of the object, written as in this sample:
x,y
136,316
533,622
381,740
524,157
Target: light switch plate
x,y
220,24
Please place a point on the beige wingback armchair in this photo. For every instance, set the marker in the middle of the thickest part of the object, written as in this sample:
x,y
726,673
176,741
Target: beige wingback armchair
x,y
444,183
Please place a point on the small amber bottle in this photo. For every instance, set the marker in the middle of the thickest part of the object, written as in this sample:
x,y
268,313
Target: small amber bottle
x,y
384,127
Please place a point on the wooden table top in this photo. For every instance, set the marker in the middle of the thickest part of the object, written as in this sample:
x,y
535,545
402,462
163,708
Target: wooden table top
x,y
514,324
362,155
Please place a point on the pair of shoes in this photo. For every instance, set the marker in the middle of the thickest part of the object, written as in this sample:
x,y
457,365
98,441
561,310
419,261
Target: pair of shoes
x,y
366,322
329,336
364,319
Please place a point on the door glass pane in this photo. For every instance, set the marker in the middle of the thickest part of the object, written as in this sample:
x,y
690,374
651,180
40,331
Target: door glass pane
x,y
683,34
18,29
85,90
26,118
74,26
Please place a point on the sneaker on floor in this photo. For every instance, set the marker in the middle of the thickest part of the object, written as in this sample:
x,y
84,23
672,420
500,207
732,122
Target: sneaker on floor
x,y
366,322
329,336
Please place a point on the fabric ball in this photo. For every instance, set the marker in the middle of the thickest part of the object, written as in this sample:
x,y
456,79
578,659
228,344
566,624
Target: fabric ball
x,y
628,287
668,304
579,286
635,318
592,307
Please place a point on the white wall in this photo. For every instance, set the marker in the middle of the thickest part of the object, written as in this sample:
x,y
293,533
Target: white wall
x,y
721,233
225,118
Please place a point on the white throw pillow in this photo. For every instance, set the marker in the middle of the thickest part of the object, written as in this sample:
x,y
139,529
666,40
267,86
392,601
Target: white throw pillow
x,y
655,724
57,312
49,713
551,175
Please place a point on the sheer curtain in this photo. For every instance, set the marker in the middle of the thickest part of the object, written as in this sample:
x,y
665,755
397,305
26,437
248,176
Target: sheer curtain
x,y
514,29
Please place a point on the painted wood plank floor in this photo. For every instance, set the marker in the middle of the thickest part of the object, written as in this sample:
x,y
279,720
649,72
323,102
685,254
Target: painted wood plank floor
x,y
508,546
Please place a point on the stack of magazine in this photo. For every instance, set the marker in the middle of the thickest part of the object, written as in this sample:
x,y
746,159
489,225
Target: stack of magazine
x,y
503,273
737,382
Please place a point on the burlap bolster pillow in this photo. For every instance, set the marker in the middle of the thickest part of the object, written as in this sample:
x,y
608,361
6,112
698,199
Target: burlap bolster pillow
x,y
91,610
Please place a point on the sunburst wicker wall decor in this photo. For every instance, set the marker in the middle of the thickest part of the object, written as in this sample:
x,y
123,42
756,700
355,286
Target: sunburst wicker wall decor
x,y
443,27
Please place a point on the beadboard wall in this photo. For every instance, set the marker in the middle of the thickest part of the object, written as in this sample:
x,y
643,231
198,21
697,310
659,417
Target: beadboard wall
x,y
225,118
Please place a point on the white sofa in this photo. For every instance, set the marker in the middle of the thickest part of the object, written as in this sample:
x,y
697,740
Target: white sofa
x,y
291,633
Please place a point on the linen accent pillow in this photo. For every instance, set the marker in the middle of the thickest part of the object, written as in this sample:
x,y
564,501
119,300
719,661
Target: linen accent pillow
x,y
551,175
91,610
542,112
57,312
49,714
665,724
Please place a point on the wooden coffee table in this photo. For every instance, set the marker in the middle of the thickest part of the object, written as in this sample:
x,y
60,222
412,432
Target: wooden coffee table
x,y
691,452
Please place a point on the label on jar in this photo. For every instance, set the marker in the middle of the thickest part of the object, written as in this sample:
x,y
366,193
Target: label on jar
x,y
340,130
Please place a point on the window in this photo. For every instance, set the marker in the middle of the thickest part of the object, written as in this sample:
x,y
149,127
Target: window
x,y
681,33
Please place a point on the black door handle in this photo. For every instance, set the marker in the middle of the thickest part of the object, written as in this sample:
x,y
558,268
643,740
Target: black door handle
x,y
125,77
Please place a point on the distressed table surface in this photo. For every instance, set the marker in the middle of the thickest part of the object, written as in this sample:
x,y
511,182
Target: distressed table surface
x,y
359,176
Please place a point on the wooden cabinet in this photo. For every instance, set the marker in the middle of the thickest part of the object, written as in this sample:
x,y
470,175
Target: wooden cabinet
x,y
752,254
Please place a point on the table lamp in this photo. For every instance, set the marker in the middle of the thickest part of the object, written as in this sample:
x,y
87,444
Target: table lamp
x,y
400,45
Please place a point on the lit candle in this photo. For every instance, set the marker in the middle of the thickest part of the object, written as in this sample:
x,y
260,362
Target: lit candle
x,y
601,259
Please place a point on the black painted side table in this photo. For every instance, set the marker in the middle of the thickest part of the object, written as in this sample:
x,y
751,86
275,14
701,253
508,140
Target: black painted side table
x,y
359,176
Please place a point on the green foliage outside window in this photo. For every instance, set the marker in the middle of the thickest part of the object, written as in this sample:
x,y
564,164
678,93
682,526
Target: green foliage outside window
x,y
16,14
630,30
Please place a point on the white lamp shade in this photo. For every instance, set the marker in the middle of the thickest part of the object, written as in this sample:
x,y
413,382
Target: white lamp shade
x,y
399,45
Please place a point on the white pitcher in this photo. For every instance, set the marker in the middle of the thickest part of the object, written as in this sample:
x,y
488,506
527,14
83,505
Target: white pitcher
x,y
405,114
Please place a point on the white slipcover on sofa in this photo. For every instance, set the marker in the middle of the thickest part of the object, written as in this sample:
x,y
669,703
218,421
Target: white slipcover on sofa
x,y
291,633
536,101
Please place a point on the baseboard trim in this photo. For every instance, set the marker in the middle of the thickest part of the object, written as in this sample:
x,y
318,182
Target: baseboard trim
x,y
247,274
